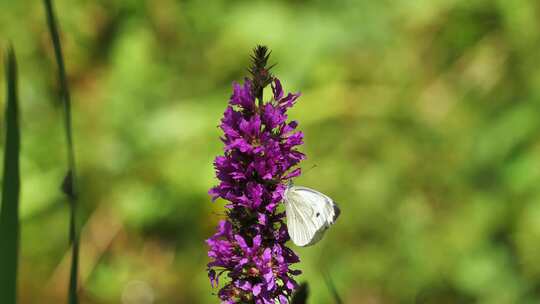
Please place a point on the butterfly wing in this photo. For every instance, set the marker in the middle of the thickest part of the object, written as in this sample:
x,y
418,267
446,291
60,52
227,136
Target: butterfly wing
x,y
309,214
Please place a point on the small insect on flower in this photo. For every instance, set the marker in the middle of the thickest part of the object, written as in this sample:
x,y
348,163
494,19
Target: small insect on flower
x,y
309,214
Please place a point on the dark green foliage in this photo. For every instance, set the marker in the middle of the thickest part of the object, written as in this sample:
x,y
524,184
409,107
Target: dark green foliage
x,y
301,294
9,212
259,71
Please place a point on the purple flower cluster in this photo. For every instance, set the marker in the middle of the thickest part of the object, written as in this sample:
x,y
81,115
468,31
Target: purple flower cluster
x,y
260,155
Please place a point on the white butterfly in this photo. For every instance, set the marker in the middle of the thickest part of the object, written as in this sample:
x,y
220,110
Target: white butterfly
x,y
309,214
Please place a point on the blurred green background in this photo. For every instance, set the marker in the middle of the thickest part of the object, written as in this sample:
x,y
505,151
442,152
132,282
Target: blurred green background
x,y
422,118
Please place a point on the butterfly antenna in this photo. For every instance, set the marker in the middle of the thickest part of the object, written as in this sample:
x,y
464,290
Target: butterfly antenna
x,y
310,168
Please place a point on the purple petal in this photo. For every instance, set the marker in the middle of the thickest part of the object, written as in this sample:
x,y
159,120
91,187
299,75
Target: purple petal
x,y
296,172
290,284
244,285
288,101
241,242
257,289
277,89
212,277
256,242
214,193
267,255
295,272
262,218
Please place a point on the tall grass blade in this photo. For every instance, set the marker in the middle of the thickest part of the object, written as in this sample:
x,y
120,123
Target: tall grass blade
x,y
9,210
68,185
332,287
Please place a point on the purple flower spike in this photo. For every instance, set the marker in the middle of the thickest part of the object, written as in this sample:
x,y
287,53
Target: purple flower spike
x,y
259,157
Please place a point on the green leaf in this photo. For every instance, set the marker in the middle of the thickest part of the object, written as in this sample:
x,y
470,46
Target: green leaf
x,y
9,211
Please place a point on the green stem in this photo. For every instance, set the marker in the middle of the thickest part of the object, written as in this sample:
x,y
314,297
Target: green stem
x,y
9,212
68,185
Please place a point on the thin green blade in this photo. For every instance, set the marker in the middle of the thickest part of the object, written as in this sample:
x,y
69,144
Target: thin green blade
x,y
332,287
68,185
9,211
